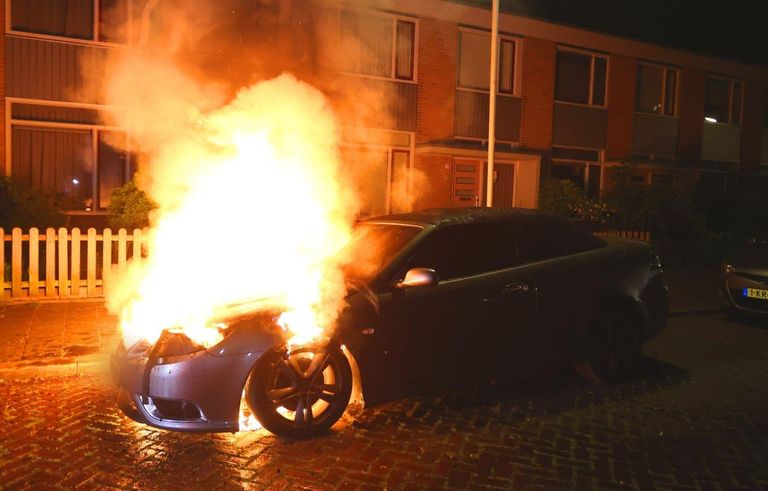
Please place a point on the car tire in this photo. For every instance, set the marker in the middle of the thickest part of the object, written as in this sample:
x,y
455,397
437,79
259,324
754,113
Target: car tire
x,y
614,348
300,393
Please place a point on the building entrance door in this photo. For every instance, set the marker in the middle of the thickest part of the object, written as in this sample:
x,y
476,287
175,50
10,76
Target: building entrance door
x,y
466,183
503,185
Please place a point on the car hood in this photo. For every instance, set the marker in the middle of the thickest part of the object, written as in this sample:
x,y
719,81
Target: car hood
x,y
753,260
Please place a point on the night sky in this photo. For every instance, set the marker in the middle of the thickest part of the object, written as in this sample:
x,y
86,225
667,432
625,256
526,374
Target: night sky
x,y
732,29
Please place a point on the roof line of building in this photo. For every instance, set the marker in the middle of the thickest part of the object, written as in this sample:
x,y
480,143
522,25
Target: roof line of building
x,y
515,23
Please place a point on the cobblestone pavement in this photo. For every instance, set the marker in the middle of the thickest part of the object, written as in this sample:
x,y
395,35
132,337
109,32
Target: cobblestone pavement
x,y
54,337
696,419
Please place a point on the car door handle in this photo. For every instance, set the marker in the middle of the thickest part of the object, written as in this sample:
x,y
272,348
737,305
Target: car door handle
x,y
516,287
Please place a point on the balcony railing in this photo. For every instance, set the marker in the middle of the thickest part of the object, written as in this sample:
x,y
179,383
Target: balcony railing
x,y
721,142
655,135
579,126
471,116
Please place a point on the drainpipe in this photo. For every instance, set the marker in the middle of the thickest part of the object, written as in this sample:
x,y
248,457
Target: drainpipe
x,y
492,102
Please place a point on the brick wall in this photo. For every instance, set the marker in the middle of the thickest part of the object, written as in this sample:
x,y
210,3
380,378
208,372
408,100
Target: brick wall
x,y
691,106
622,80
751,127
432,187
2,95
538,93
438,43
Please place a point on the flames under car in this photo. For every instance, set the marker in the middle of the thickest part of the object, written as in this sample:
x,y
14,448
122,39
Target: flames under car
x,y
435,297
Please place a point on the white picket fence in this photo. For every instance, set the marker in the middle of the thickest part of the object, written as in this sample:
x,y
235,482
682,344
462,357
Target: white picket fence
x,y
64,263
641,235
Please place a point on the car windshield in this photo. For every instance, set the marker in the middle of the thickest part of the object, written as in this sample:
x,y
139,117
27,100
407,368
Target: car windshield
x,y
373,247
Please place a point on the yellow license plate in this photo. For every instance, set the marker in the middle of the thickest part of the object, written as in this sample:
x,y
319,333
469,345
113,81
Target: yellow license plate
x,y
755,293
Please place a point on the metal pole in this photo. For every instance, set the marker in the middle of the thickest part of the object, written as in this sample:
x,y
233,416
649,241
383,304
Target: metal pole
x,y
492,102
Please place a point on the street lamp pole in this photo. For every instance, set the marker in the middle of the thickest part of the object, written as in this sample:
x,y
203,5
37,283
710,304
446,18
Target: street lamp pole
x,y
492,103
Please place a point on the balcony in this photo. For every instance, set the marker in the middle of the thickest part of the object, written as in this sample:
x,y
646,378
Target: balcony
x,y
721,142
655,135
399,101
579,126
471,116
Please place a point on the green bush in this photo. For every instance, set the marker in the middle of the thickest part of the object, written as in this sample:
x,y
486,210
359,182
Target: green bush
x,y
564,198
660,209
129,207
21,207
561,197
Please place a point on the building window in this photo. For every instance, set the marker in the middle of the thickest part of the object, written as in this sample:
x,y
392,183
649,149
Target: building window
x,y
64,152
382,176
73,19
378,45
581,78
656,89
580,166
662,179
723,101
475,60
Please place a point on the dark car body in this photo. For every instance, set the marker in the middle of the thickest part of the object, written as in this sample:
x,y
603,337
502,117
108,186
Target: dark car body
x,y
513,293
744,283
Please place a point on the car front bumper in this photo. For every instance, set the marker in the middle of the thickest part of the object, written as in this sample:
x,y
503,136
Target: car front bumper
x,y
732,296
198,392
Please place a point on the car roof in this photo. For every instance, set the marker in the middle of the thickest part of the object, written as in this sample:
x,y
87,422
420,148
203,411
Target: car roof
x,y
453,216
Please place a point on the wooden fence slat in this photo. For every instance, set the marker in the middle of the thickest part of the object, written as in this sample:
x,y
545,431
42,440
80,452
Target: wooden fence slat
x,y
34,261
50,262
75,255
90,290
21,274
106,257
63,263
137,246
16,262
122,237
2,263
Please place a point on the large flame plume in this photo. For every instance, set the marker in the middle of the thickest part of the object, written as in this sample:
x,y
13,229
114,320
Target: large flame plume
x,y
251,209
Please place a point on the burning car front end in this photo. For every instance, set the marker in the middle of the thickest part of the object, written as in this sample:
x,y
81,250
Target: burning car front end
x,y
177,384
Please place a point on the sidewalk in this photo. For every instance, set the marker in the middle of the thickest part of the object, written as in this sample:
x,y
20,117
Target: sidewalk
x,y
77,336
55,337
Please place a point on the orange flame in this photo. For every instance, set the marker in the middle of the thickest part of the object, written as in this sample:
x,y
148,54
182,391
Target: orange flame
x,y
251,208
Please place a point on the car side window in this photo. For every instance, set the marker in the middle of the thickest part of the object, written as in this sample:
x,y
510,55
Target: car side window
x,y
457,251
546,239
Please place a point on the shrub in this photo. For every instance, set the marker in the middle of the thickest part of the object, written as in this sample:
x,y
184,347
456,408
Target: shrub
x,y
561,197
129,207
660,209
564,198
21,207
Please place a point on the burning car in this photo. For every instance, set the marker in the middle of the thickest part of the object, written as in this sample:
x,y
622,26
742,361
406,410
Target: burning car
x,y
435,297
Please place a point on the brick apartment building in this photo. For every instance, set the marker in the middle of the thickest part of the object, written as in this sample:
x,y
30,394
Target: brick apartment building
x,y
572,103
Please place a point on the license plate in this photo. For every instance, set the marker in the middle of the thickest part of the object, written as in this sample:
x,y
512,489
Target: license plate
x,y
755,293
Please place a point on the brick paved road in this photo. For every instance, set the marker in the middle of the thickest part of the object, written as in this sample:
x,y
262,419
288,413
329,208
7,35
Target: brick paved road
x,y
697,419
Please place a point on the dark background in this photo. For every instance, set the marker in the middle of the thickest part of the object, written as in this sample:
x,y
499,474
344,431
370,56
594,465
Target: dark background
x,y
733,29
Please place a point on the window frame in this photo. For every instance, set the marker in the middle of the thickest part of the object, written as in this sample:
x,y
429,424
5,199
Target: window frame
x,y
731,83
665,69
516,65
94,129
592,55
584,162
391,149
94,41
395,18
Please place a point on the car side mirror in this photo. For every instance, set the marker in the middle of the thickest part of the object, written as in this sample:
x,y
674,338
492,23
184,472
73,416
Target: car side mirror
x,y
418,277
